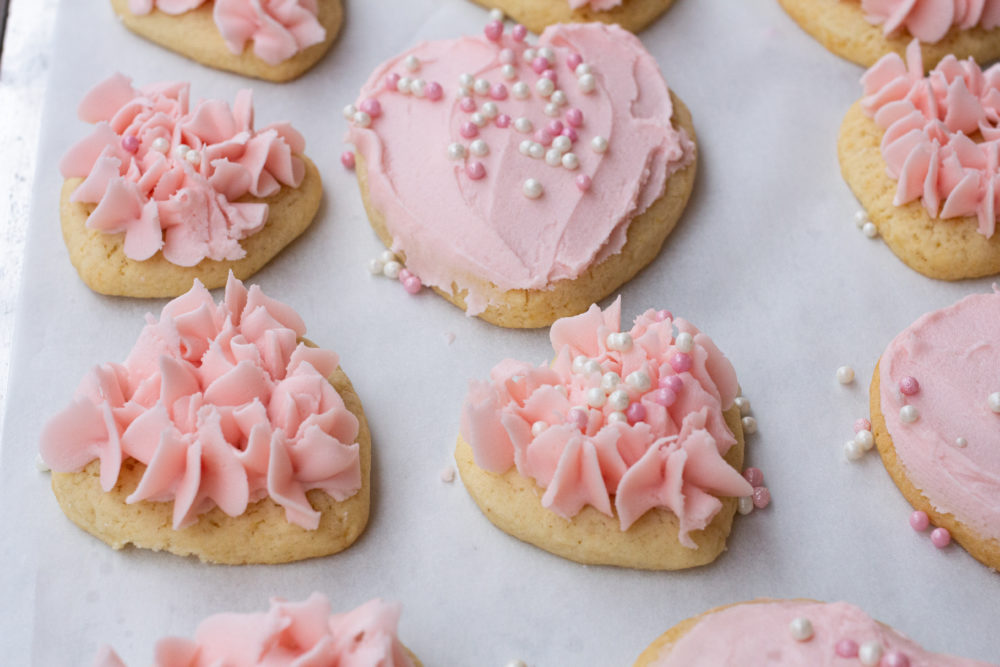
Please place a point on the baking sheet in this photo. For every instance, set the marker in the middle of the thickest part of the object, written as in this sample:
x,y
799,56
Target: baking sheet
x,y
766,259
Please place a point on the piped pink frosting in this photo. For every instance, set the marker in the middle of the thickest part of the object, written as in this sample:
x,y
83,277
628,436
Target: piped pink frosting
x,y
278,28
223,405
162,200
758,634
599,5
455,220
954,354
671,458
928,122
930,20
289,634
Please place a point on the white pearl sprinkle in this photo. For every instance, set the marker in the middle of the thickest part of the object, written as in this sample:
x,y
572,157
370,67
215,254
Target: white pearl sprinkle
x,y
599,144
909,414
349,112
609,381
639,380
744,505
160,145
548,54
581,69
869,229
412,63
193,156
596,397
562,143
538,427
578,363
743,404
391,270
587,83
448,475
801,629
418,87
553,157
481,86
529,55
865,438
40,464
570,161
618,399
403,85
375,266
361,119
617,416
684,342
479,147
845,375
496,15
749,425
524,148
537,150
545,87
533,188
559,98
853,450
478,119
181,151
521,90
961,442
860,218
552,109
993,400
456,151
592,366
489,109
509,72
387,256
869,653
466,80
524,125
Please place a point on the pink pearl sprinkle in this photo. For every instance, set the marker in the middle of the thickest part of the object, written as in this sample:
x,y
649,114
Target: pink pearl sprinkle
x,y
919,520
543,136
664,396
519,32
577,417
469,130
583,182
391,81
846,648
403,275
347,159
434,91
662,315
502,121
467,104
507,56
539,64
475,170
754,476
673,383
574,117
570,134
761,497
573,60
555,127
372,107
412,284
681,362
894,659
493,30
909,385
498,91
130,143
862,424
636,413
940,537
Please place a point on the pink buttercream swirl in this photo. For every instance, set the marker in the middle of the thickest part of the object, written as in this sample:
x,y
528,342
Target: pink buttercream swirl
x,y
929,123
292,634
278,28
671,457
930,20
136,170
223,405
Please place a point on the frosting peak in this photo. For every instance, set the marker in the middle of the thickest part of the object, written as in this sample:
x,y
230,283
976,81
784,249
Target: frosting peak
x,y
634,415
223,405
930,20
170,176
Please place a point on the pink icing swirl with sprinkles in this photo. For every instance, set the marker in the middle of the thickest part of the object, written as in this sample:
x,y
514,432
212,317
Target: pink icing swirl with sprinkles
x,y
170,176
278,28
930,20
223,404
630,419
928,122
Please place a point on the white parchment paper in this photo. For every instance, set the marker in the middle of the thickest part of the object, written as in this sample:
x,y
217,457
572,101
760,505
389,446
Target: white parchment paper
x,y
766,259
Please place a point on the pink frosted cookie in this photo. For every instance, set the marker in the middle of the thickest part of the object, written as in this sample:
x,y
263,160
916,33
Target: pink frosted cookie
x,y
921,154
521,182
935,405
276,40
537,15
164,191
865,30
793,633
289,634
625,450
224,434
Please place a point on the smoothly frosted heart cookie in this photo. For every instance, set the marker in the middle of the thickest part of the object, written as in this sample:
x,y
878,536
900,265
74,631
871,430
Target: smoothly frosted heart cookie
x,y
164,192
935,407
288,634
626,450
863,31
523,183
276,40
921,155
537,15
224,434
792,633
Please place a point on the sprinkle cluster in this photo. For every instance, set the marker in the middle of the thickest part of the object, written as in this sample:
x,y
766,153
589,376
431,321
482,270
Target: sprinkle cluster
x,y
870,653
389,265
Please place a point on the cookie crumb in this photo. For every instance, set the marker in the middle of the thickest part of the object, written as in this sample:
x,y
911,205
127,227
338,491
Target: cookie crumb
x,y
448,475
